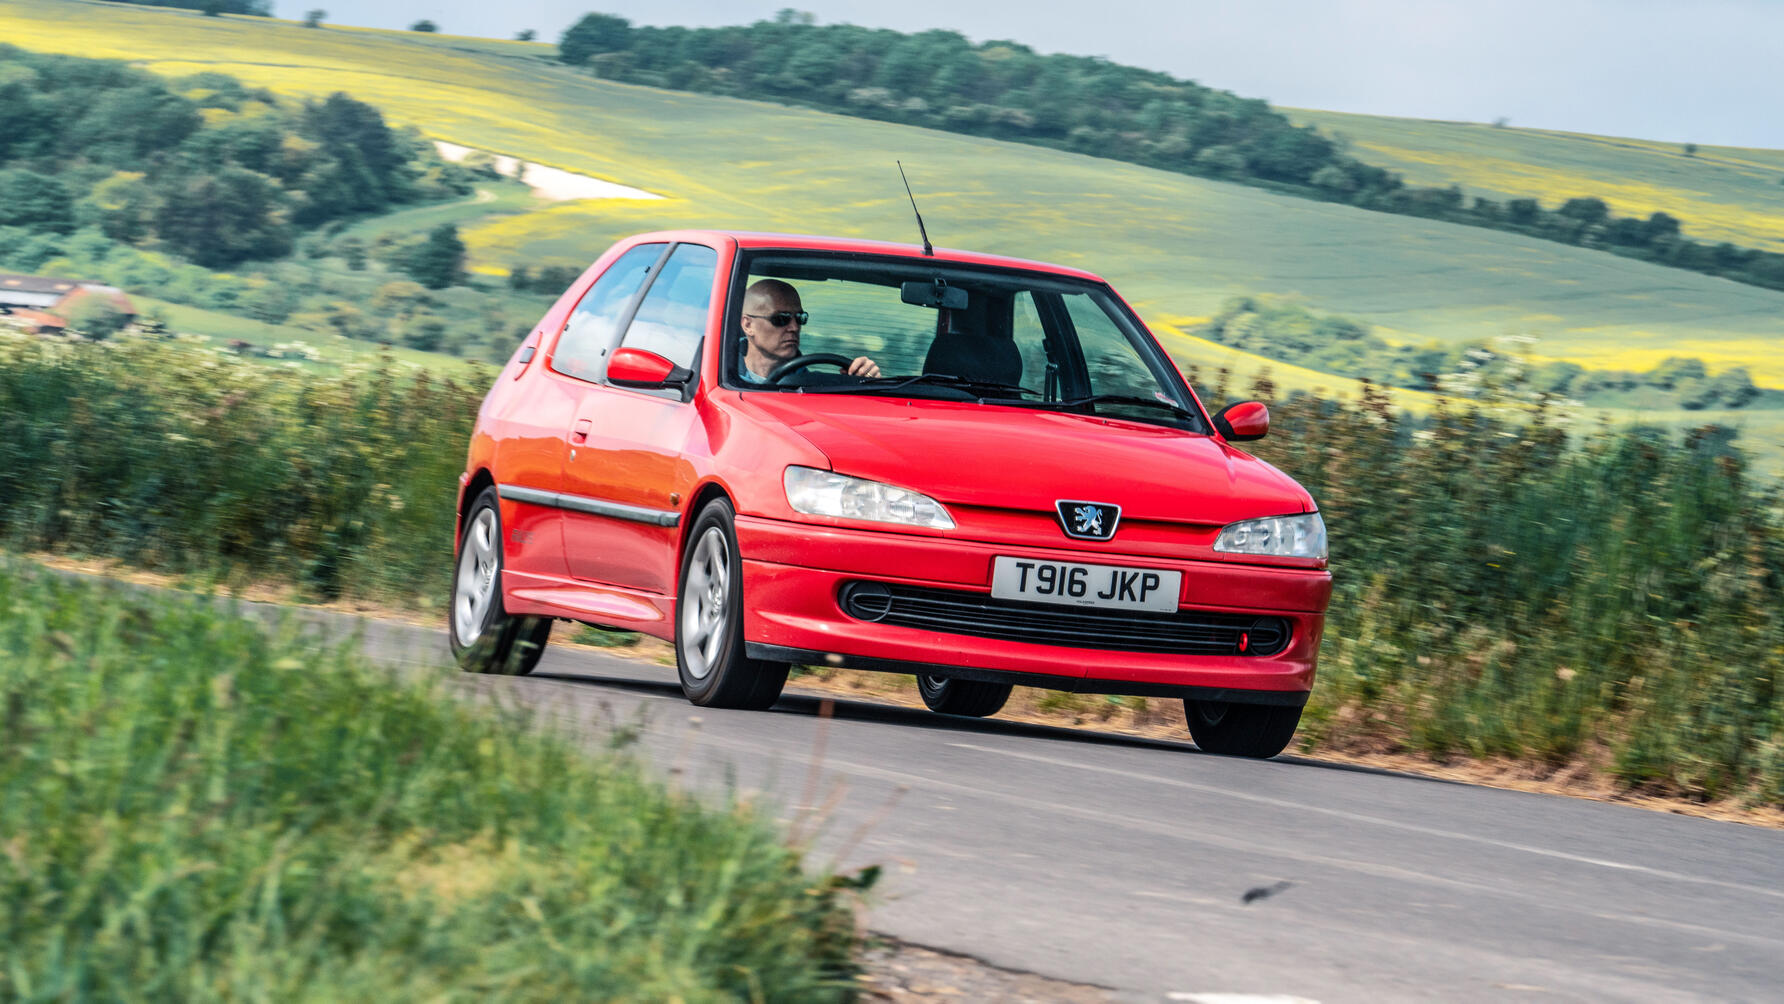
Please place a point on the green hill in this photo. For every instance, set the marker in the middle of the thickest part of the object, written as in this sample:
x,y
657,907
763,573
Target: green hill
x,y
1177,246
1721,193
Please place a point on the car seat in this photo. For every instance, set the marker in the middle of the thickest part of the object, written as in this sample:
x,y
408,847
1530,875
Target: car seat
x,y
969,345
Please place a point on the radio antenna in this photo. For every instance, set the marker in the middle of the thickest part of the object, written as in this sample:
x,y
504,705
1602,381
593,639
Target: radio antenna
x,y
930,251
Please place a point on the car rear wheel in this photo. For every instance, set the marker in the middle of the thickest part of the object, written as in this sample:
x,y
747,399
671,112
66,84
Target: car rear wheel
x,y
484,638
709,655
971,698
1253,730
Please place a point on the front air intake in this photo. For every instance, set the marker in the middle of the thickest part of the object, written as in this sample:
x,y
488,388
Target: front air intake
x,y
958,611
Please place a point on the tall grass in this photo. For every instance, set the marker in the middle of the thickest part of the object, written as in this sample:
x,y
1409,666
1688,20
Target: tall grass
x,y
193,808
177,457
1503,587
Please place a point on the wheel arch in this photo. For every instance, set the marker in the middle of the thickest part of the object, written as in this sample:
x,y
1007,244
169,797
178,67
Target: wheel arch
x,y
474,487
703,495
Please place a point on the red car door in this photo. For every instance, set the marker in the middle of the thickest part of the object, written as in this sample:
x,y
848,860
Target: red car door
x,y
578,358
626,471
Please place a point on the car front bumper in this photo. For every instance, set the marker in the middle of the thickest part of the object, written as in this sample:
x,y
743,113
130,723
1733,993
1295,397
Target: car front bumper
x,y
793,574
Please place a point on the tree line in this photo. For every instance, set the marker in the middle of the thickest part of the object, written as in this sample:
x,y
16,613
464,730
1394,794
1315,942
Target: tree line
x,y
1005,90
999,89
1281,329
256,8
204,168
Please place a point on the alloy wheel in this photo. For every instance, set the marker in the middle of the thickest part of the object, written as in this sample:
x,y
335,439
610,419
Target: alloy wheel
x,y
703,614
475,587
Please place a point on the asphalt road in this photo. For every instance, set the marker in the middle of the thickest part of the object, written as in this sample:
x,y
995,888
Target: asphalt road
x,y
1127,862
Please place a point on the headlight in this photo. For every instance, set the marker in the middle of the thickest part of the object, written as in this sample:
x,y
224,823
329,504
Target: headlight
x,y
827,493
1301,536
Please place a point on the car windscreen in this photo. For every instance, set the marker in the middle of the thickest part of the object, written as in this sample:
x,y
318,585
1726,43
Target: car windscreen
x,y
949,331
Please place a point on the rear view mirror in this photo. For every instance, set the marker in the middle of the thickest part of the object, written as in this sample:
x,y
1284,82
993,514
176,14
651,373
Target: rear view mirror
x,y
1243,421
935,293
644,370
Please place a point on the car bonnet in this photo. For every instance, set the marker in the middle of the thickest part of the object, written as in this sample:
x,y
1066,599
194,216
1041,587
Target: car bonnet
x,y
966,453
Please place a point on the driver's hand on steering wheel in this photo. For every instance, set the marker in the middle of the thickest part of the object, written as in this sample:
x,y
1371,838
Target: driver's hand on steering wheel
x,y
863,367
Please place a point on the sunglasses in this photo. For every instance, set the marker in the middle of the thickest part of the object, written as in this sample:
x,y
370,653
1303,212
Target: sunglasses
x,y
782,318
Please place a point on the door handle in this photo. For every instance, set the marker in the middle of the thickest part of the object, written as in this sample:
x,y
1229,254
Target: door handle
x,y
580,433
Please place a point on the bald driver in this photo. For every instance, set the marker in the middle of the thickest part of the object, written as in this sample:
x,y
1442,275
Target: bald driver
x,y
772,320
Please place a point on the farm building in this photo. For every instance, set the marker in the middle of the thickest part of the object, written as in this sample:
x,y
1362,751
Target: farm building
x,y
43,304
34,291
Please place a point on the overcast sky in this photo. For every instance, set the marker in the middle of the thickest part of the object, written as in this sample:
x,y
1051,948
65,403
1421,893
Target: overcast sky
x,y
1709,71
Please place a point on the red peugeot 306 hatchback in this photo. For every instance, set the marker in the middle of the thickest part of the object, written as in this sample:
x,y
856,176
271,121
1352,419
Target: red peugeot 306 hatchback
x,y
776,450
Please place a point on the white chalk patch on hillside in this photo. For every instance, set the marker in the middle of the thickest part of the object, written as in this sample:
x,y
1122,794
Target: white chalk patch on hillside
x,y
1225,998
548,182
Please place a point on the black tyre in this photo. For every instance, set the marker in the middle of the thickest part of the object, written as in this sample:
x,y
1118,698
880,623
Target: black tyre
x,y
1253,730
971,698
484,638
709,621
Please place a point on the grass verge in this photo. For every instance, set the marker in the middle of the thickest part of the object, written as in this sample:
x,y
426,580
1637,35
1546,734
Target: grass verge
x,y
194,808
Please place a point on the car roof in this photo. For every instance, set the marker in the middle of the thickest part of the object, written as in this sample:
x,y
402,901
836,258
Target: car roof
x,y
751,240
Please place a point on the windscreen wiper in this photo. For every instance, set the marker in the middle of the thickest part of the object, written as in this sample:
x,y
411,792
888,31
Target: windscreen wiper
x,y
1149,402
1079,402
890,385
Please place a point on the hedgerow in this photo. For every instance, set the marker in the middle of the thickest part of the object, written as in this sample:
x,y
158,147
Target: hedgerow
x,y
1503,587
179,457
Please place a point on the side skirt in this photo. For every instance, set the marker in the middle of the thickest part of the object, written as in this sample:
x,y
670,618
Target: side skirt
x,y
590,603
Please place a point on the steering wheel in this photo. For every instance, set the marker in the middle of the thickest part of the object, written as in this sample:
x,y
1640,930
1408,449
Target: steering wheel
x,y
798,363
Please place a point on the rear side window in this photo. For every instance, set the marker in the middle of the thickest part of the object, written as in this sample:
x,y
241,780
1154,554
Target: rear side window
x,y
672,319
588,336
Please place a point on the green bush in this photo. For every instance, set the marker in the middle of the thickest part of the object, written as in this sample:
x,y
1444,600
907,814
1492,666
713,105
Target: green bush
x,y
194,808
178,457
204,167
1501,589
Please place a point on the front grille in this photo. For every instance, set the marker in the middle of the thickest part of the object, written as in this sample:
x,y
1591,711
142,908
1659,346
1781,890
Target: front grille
x,y
956,611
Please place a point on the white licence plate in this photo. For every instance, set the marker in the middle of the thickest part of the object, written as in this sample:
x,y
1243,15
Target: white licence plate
x,y
1111,587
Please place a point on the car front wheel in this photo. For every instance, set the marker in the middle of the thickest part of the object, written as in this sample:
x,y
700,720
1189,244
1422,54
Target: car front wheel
x,y
485,639
1253,730
709,655
971,698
